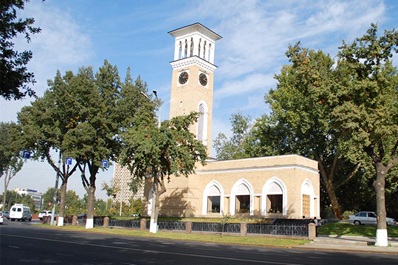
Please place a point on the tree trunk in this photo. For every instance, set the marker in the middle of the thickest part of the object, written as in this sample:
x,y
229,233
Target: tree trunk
x,y
331,192
379,185
153,228
90,206
6,182
62,204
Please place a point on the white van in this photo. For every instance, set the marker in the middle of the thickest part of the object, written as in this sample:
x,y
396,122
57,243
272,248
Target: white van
x,y
20,212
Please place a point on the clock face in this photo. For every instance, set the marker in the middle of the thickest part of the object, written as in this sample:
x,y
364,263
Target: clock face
x,y
183,78
203,79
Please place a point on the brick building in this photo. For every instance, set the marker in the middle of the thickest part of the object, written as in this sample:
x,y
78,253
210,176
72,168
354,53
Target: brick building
x,y
279,186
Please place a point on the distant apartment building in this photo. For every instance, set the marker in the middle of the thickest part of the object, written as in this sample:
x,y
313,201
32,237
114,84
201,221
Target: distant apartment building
x,y
121,182
36,196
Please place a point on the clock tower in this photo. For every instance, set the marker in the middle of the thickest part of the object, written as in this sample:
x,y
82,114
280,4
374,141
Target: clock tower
x,y
193,77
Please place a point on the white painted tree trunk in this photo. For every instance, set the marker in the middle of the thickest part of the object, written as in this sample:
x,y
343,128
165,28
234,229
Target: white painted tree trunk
x,y
89,223
381,238
60,221
379,184
153,227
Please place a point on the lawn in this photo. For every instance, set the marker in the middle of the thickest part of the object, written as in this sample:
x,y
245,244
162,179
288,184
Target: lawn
x,y
199,237
347,229
338,228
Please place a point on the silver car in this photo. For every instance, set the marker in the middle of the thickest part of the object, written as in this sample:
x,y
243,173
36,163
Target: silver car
x,y
368,218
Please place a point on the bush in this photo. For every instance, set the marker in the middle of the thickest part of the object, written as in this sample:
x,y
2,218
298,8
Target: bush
x,y
328,213
347,214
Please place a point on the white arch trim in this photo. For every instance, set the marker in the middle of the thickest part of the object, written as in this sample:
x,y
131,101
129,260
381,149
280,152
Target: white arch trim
x,y
307,189
209,191
235,192
270,188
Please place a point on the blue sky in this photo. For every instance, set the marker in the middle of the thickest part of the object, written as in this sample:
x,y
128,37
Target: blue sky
x,y
134,34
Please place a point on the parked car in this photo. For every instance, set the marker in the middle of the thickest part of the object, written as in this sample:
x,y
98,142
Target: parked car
x,y
6,215
46,213
368,218
82,216
1,219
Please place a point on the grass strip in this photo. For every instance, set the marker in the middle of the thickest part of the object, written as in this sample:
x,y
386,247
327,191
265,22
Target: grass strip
x,y
217,238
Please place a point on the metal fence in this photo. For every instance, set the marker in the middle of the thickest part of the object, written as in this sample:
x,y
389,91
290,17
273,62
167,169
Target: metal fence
x,y
171,225
216,227
278,229
285,227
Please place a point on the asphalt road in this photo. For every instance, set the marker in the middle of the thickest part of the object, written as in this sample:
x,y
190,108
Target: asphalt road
x,y
27,243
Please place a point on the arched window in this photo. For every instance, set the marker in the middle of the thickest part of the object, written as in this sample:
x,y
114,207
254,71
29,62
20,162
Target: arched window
x,y
213,195
242,197
208,53
202,123
274,197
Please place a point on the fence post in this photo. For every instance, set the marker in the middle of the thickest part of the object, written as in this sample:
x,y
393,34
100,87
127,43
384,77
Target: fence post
x,y
143,224
74,220
311,231
243,229
188,227
106,222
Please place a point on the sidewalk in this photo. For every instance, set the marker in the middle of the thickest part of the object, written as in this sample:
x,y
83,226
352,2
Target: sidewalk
x,y
352,244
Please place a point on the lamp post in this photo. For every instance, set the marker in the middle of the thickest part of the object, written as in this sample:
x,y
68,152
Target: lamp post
x,y
121,196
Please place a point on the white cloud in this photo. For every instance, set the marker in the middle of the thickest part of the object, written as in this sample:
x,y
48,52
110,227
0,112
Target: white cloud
x,y
247,85
60,45
256,35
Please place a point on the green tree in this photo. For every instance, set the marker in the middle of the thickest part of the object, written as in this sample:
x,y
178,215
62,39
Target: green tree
x,y
94,130
100,207
301,116
10,198
105,108
73,204
238,145
14,77
159,152
11,161
366,112
45,124
13,197
48,199
28,200
137,206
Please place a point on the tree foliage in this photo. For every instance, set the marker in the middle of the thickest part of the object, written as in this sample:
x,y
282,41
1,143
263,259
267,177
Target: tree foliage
x,y
11,161
301,114
157,153
83,116
45,124
365,108
13,197
14,76
237,146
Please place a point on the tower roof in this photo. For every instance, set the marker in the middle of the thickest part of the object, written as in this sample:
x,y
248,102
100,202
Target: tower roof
x,y
195,27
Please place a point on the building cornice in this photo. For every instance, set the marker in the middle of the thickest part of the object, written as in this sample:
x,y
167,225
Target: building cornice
x,y
252,169
194,60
